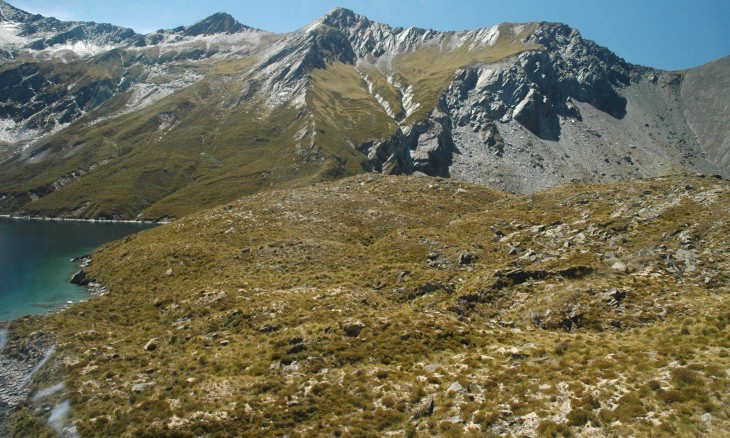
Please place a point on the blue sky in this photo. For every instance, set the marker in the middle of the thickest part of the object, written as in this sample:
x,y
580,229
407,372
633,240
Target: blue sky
x,y
668,34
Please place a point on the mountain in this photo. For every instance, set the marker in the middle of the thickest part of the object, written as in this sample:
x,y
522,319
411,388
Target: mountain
x,y
21,32
188,118
398,305
378,278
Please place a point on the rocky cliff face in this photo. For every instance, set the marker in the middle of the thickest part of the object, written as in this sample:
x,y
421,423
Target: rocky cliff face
x,y
516,106
572,111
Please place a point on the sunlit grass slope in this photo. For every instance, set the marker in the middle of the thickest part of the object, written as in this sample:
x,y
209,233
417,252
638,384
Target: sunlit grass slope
x,y
411,306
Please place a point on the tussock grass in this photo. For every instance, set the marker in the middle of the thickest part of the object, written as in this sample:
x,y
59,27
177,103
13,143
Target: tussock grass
x,y
346,307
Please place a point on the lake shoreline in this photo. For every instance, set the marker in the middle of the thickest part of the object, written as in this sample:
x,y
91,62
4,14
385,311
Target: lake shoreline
x,y
22,358
69,219
91,290
41,255
16,373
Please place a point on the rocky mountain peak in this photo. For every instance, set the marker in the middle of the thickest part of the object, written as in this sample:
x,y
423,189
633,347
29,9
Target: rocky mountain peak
x,y
342,18
553,35
11,13
215,24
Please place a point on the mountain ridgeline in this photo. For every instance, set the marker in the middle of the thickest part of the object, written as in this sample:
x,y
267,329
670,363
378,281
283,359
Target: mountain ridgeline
x,y
97,121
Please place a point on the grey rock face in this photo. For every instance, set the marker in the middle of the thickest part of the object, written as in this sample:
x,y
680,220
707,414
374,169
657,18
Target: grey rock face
x,y
391,156
573,111
705,93
431,145
426,147
32,96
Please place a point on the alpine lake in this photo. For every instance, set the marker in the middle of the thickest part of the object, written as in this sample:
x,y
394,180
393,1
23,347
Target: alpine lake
x,y
37,261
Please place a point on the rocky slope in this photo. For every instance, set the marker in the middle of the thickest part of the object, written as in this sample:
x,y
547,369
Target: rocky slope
x,y
181,119
705,92
343,308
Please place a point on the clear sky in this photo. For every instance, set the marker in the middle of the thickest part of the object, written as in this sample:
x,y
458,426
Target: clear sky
x,y
667,34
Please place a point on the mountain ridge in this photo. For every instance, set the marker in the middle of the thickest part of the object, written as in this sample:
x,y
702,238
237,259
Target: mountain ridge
x,y
340,96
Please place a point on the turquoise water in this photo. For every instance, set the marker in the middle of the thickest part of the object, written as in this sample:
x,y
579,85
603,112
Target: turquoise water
x,y
35,261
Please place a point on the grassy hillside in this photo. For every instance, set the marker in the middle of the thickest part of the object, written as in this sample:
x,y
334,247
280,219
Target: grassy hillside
x,y
192,150
218,139
409,306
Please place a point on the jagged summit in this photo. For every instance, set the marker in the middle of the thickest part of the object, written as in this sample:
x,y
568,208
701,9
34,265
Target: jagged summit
x,y
218,23
25,34
342,18
10,13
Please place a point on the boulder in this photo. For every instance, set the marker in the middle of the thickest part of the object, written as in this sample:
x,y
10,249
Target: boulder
x,y
80,278
434,367
151,345
141,387
613,296
298,348
269,328
619,267
455,388
353,330
424,408
467,258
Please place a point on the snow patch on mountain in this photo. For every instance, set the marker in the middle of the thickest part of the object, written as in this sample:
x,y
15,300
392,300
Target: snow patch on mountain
x,y
79,48
371,89
10,132
221,43
9,34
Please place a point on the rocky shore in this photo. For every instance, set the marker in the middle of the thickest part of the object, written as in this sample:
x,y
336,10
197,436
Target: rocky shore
x,y
19,361
73,219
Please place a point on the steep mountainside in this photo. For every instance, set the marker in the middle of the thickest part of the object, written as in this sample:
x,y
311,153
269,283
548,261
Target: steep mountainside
x,y
181,119
705,96
345,309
